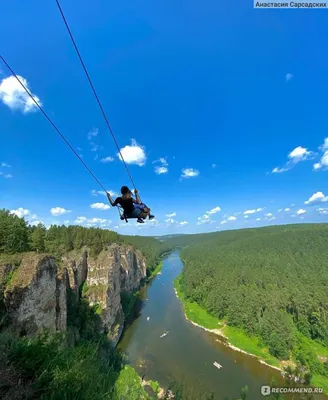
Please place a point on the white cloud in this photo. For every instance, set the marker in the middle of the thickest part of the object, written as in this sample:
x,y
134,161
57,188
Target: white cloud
x,y
295,156
15,97
287,209
205,219
80,220
100,206
323,162
316,198
323,211
253,211
133,154
182,223
301,211
246,216
36,223
324,147
161,170
223,222
268,215
5,165
258,219
107,159
277,170
57,211
232,218
20,212
189,173
214,211
280,210
91,222
170,221
102,193
272,219
93,133
171,215
288,77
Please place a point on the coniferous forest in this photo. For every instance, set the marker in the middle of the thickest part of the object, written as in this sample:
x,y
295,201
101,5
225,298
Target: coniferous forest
x,y
272,282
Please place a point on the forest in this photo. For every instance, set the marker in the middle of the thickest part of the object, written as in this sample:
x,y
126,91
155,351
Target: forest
x,y
272,282
17,236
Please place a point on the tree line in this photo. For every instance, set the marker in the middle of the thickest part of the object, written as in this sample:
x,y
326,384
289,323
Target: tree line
x,y
17,236
272,282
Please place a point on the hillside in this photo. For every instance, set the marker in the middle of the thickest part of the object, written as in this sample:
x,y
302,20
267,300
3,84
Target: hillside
x,y
64,293
272,282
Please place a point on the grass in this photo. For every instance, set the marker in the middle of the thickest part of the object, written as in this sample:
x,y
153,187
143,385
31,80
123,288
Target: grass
x,y
235,336
320,381
129,386
156,270
195,312
238,338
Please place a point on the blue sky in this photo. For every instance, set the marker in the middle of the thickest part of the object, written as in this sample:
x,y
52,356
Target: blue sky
x,y
230,102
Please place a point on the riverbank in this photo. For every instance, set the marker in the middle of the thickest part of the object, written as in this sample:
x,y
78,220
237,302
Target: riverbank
x,y
237,340
232,337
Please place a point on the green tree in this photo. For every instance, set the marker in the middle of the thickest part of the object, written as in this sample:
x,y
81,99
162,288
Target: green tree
x,y
13,233
38,236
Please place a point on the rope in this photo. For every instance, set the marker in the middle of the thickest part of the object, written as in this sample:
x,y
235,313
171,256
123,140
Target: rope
x,y
53,124
94,91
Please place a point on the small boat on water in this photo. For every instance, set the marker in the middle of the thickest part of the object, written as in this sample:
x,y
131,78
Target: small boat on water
x,y
164,334
217,365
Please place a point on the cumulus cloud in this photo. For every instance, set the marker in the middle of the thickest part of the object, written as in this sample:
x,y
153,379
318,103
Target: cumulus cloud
x,y
323,211
268,215
161,170
91,222
232,218
163,167
171,215
316,198
133,154
214,211
189,173
258,219
15,97
289,77
287,209
20,212
100,206
182,223
170,221
205,219
107,159
253,211
300,211
223,222
323,163
294,157
57,211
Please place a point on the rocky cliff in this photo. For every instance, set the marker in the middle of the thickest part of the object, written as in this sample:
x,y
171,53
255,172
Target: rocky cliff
x,y
35,290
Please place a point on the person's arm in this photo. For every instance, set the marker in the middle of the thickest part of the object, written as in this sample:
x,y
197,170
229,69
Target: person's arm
x,y
113,203
138,201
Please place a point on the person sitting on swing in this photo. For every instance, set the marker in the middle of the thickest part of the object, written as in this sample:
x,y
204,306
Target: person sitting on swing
x,y
132,208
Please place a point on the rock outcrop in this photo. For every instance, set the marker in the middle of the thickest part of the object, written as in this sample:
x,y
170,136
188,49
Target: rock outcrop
x,y
35,293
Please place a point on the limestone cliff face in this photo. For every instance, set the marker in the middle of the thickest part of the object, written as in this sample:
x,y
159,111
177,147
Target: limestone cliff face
x,y
117,270
35,293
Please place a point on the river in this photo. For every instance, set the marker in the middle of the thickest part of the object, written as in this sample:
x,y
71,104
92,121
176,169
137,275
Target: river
x,y
187,352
